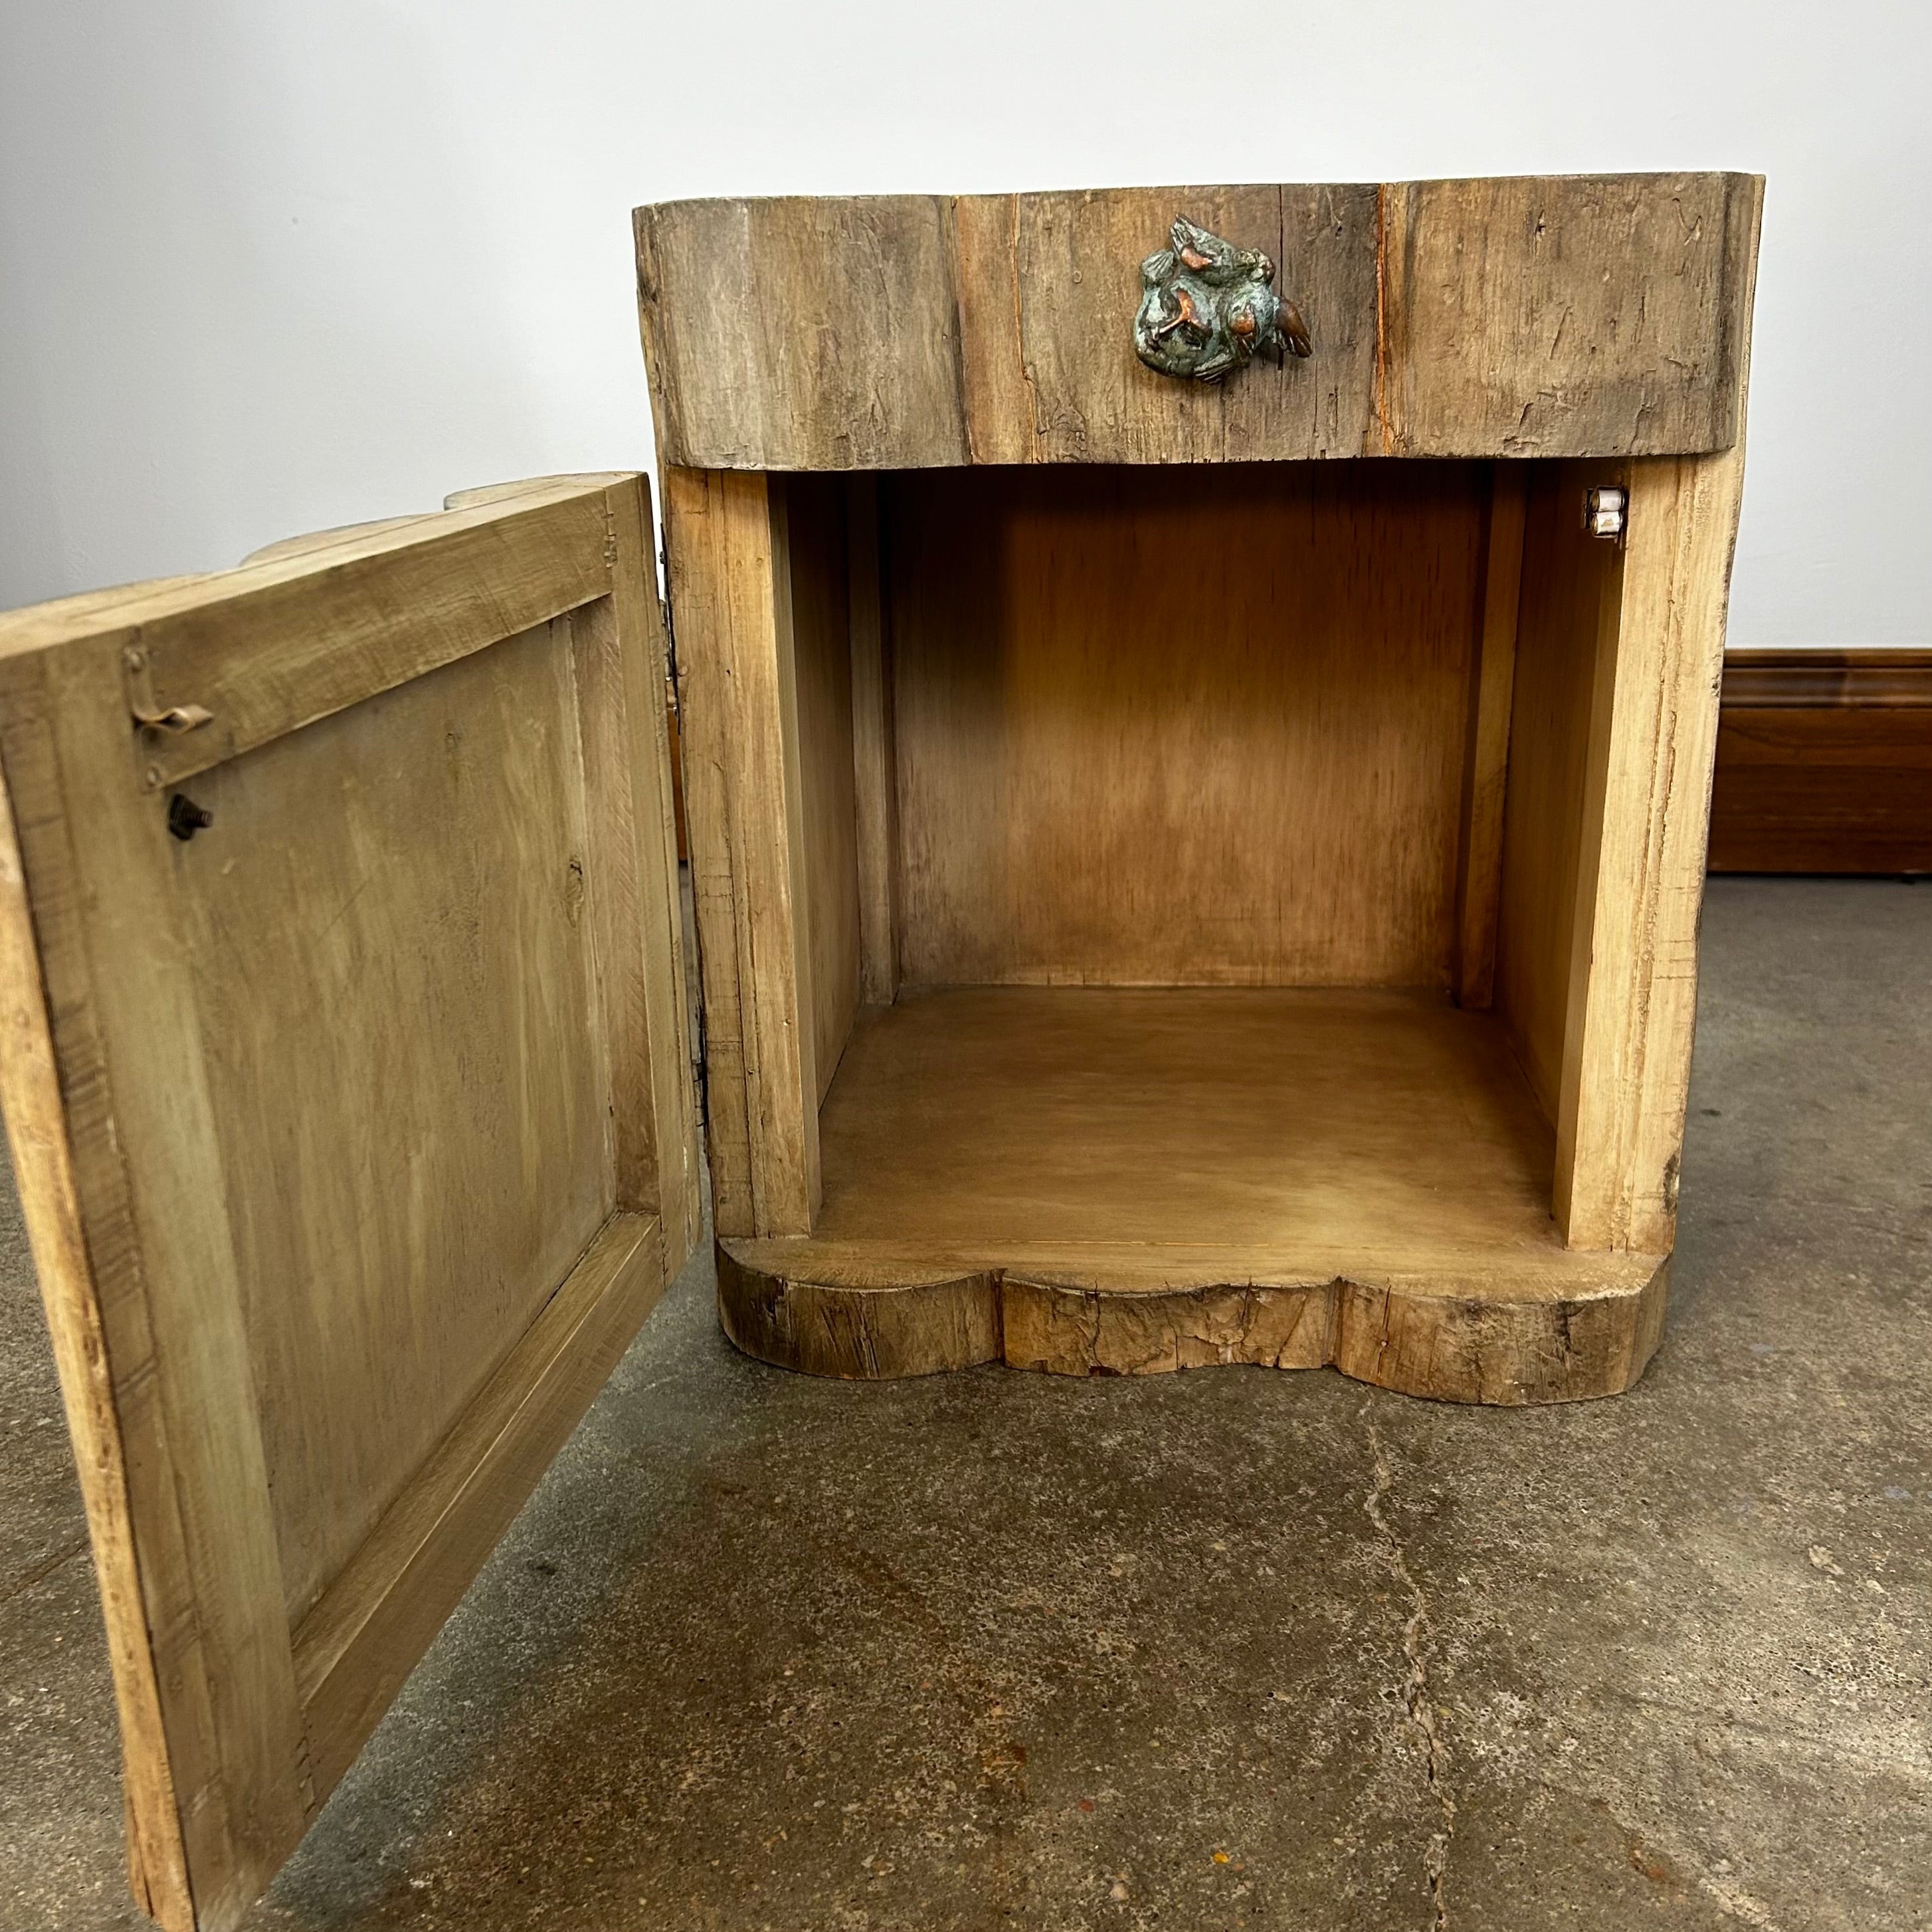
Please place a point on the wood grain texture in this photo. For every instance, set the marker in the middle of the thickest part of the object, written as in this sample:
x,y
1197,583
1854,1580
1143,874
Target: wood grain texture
x,y
1340,1124
1640,875
820,328
1571,598
620,663
1485,763
875,750
821,646
1874,677
399,905
1824,763
856,1327
1171,727
280,644
737,701
1553,317
1160,1179
1506,1341
280,1085
355,1646
44,1172
148,1162
1576,316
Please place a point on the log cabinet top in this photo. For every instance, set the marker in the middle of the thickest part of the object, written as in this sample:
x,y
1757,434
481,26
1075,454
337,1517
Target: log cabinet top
x,y
1560,317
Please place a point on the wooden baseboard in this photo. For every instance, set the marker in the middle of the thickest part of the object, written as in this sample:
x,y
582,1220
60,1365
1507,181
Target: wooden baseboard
x,y
1824,763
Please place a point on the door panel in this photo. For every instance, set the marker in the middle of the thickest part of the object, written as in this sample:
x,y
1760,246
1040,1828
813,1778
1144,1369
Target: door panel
x,y
354,1130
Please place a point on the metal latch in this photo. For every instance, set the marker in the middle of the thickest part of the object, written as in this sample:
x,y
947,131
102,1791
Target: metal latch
x,y
149,712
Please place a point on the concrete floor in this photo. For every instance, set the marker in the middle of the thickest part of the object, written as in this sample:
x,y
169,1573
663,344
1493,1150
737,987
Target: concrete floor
x,y
1231,1648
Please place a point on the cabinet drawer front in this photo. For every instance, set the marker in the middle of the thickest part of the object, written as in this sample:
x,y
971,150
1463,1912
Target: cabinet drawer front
x,y
1568,315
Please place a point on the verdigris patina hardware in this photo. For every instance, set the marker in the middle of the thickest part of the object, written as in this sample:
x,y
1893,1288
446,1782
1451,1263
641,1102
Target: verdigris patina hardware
x,y
1207,306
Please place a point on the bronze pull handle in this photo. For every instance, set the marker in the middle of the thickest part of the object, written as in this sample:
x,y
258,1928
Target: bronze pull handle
x,y
1207,306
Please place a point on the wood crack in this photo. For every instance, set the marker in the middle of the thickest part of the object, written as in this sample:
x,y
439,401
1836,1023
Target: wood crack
x,y
1418,1697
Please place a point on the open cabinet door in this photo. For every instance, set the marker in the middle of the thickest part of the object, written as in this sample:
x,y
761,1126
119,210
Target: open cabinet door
x,y
345,1061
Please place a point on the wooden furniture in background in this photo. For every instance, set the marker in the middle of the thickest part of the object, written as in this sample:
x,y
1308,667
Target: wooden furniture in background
x,y
1168,889
1824,763
354,1130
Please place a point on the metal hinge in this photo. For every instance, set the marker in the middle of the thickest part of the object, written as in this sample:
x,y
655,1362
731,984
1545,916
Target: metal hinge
x,y
1606,512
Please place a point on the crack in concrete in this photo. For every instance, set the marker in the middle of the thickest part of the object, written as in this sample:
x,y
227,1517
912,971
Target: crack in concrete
x,y
1417,1700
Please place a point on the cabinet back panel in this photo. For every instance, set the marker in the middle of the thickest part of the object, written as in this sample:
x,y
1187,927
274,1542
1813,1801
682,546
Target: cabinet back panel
x,y
1196,726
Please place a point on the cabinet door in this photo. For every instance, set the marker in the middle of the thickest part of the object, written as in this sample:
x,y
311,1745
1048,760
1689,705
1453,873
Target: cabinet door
x,y
345,1060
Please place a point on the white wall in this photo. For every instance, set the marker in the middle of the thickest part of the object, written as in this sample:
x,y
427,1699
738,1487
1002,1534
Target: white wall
x,y
271,264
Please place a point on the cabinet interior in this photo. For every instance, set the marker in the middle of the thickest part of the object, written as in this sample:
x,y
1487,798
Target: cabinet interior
x,y
1158,886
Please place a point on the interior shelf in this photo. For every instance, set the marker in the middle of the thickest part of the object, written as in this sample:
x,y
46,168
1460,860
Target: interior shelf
x,y
1114,1179
1287,1129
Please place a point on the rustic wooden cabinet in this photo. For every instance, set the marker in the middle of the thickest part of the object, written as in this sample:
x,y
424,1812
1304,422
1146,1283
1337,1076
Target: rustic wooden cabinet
x,y
1184,873
1190,873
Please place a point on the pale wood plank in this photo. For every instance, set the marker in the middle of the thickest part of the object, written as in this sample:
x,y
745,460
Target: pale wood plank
x,y
618,649
737,703
1634,986
1566,619
276,645
313,543
354,1648
905,1326
1466,1335
1075,273
1363,1122
405,902
43,1170
146,1165
1634,978
1492,691
874,760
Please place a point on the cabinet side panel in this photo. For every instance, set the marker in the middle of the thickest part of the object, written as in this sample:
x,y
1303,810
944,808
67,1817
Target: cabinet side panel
x,y
731,595
1167,727
1492,687
1633,991
1569,584
874,757
822,647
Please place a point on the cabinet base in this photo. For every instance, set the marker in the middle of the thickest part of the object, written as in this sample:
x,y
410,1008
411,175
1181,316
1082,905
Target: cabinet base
x,y
1562,1327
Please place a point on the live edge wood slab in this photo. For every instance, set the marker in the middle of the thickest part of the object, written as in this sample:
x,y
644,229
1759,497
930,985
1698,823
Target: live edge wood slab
x,y
1576,315
1170,891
